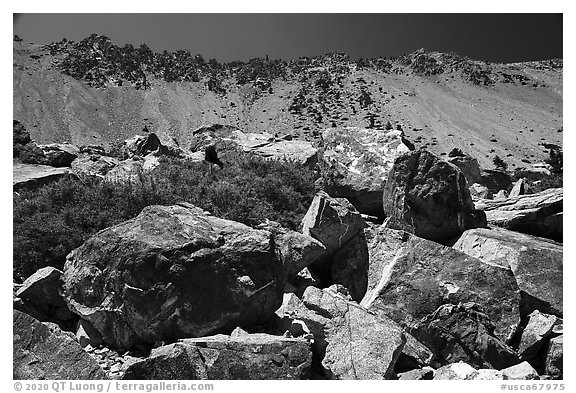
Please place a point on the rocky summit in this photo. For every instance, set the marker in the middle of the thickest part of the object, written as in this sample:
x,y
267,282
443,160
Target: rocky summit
x,y
320,218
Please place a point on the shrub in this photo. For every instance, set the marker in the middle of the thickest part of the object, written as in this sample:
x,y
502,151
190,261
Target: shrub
x,y
499,163
52,221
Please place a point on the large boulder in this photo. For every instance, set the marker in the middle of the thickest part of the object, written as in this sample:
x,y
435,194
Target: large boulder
x,y
94,164
249,356
411,277
41,291
173,272
60,154
32,176
555,357
355,163
535,214
463,333
41,352
261,144
527,257
351,342
536,334
467,164
336,224
431,195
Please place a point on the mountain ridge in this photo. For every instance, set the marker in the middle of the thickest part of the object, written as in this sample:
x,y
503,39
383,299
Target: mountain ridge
x,y
440,100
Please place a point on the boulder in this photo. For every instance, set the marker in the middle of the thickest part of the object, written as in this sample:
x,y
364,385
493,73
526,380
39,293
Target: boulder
x,y
418,374
32,177
173,272
41,352
519,188
60,154
42,291
94,164
430,195
463,333
263,144
478,191
86,334
350,342
487,374
522,371
295,249
141,145
19,134
355,163
129,170
526,256
468,165
535,334
245,356
454,371
555,358
502,194
336,224
495,180
534,214
406,269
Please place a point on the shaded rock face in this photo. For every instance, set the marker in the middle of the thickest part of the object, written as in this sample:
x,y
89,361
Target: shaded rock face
x,y
431,195
527,257
60,154
411,277
463,333
41,293
355,163
495,180
350,342
19,134
336,224
555,357
536,333
535,214
249,356
469,167
173,272
40,352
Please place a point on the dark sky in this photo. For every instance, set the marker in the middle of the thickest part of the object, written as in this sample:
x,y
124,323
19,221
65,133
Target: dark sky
x,y
491,37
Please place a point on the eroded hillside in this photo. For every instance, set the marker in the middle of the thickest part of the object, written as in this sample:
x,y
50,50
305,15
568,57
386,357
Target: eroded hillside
x,y
441,101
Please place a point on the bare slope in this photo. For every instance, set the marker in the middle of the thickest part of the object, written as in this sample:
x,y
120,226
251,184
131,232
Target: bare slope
x,y
511,118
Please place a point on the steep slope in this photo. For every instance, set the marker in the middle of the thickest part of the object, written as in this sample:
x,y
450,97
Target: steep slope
x,y
441,101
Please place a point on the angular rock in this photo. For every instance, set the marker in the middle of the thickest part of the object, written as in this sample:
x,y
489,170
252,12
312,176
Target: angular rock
x,y
468,165
419,374
555,358
502,194
86,334
42,292
430,195
486,374
60,154
40,352
405,269
94,164
478,191
355,164
534,336
519,188
360,346
129,170
464,333
31,176
295,249
534,214
173,272
141,145
527,256
522,371
340,228
454,371
350,342
246,356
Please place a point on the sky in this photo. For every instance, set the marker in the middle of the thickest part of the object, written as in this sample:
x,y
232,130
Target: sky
x,y
227,37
